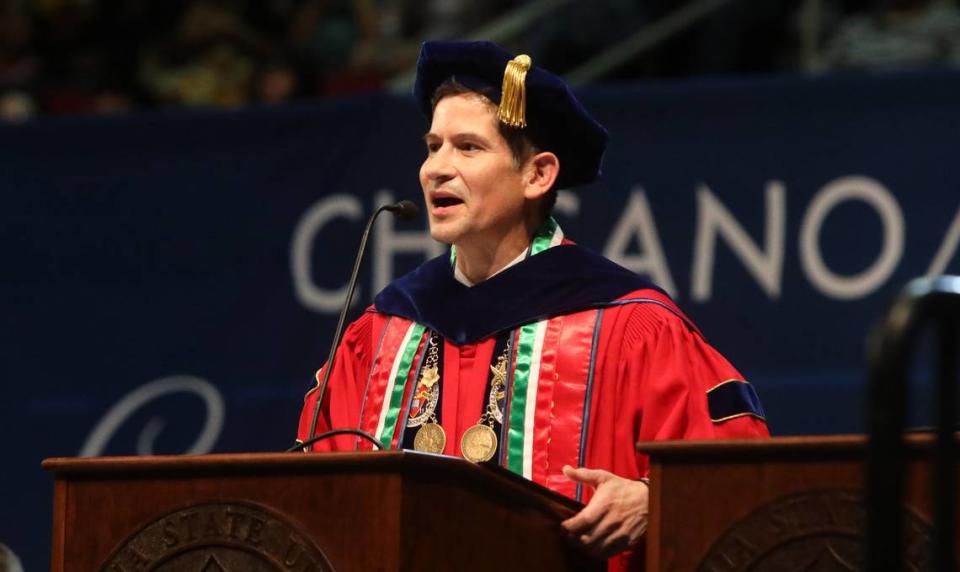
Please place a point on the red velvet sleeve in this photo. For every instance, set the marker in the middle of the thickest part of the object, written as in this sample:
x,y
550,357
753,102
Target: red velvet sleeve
x,y
344,393
677,368
653,380
654,376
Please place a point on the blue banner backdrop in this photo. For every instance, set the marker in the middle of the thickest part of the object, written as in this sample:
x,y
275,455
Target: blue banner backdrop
x,y
172,279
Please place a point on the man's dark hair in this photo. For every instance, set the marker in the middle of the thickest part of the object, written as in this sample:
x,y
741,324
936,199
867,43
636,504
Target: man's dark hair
x,y
521,147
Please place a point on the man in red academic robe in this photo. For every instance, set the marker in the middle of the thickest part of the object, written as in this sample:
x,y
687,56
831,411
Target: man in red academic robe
x,y
520,348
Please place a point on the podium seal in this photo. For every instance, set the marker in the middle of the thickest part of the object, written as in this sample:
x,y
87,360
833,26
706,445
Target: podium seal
x,y
218,537
816,530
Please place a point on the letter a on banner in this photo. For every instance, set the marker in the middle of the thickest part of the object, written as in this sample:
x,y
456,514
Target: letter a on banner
x,y
637,221
947,249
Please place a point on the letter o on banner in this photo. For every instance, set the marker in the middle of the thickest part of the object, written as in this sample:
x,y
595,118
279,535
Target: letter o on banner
x,y
883,202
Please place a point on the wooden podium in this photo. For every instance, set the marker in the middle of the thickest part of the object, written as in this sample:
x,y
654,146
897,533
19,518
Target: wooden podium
x,y
377,511
779,505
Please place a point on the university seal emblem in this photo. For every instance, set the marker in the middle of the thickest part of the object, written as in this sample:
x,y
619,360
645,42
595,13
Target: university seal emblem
x,y
812,531
218,537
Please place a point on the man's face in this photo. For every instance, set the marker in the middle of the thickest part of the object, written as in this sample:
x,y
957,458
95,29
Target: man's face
x,y
472,189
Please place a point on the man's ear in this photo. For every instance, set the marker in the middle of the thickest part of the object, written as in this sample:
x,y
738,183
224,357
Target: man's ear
x,y
541,173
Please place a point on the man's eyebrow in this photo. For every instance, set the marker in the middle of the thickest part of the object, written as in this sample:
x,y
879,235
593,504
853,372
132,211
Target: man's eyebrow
x,y
461,135
469,135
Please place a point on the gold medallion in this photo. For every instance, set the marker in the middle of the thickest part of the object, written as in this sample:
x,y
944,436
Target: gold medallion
x,y
479,443
430,438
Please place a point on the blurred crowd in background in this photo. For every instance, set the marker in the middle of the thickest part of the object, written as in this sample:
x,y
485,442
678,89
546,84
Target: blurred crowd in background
x,y
112,56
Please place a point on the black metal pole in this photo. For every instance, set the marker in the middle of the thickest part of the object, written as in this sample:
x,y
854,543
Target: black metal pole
x,y
885,456
945,474
924,302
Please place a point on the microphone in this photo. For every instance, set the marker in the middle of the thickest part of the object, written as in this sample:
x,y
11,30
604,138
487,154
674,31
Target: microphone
x,y
404,210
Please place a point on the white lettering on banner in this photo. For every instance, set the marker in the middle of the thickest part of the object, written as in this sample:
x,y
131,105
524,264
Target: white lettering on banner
x,y
9,562
882,201
637,221
762,259
107,427
947,248
568,204
388,243
304,235
714,219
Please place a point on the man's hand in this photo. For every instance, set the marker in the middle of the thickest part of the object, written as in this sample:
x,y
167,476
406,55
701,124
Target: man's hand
x,y
615,518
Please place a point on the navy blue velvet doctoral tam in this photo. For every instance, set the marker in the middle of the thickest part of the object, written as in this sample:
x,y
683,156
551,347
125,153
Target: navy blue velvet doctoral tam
x,y
556,120
560,280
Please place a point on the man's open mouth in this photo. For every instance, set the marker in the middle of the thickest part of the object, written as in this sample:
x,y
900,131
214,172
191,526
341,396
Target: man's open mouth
x,y
441,202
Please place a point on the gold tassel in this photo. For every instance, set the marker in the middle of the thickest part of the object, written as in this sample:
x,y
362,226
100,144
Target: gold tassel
x,y
513,101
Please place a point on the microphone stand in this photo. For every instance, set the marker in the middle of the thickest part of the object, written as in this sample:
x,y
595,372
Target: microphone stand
x,y
403,209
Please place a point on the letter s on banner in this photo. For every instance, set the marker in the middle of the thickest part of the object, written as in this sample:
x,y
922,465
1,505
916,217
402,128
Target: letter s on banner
x,y
107,427
319,214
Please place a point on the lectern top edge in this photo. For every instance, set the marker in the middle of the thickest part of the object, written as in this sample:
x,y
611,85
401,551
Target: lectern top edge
x,y
405,462
135,463
822,446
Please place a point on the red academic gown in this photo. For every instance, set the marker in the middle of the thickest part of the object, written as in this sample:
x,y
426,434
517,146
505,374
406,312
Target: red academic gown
x,y
648,374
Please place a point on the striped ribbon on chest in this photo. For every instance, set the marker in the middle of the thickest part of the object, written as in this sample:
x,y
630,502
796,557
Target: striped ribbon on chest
x,y
549,403
524,385
397,381
526,373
